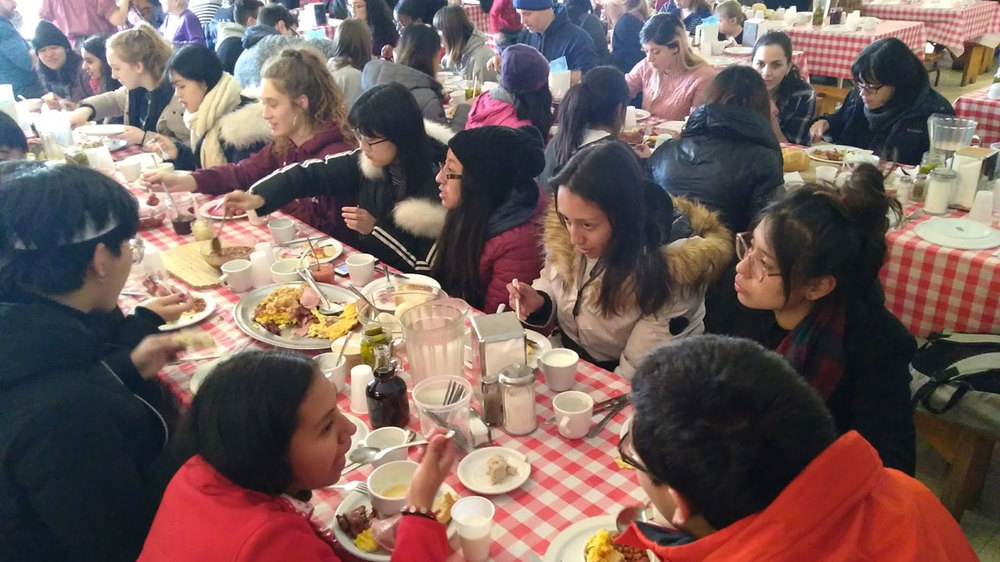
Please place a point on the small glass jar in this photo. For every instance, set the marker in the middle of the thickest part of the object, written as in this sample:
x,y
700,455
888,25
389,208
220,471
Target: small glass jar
x,y
491,397
939,190
919,189
904,187
518,385
372,336
931,160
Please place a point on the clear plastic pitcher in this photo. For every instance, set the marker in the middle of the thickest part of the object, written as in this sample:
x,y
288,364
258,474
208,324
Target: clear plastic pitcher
x,y
435,338
948,133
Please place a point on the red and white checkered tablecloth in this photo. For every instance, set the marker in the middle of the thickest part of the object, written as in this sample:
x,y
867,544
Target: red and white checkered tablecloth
x,y
931,288
477,16
986,112
570,480
950,27
831,54
799,59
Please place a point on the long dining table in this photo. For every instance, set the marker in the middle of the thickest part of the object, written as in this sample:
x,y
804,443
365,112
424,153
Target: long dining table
x,y
570,480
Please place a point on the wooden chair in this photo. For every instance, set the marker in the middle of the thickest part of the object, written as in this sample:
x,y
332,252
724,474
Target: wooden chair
x,y
932,61
829,98
967,453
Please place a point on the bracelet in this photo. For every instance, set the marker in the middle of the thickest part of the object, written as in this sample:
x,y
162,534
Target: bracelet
x,y
418,511
143,141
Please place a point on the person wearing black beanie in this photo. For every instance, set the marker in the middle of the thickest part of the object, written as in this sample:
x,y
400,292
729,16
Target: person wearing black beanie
x,y
492,232
60,69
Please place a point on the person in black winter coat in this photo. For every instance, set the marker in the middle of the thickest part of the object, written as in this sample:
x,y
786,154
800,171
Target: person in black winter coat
x,y
812,262
581,12
390,175
83,428
888,111
727,156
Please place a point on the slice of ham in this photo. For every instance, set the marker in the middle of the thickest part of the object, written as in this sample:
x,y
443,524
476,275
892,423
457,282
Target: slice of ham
x,y
309,299
384,531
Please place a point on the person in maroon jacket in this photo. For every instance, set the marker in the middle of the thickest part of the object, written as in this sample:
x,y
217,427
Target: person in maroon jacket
x,y
492,232
265,430
308,116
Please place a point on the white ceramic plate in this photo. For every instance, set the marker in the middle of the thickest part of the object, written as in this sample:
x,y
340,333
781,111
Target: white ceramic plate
x,y
472,471
101,130
959,233
114,145
837,28
568,544
296,251
641,114
200,373
243,314
189,319
842,148
738,51
355,500
205,211
411,279
669,128
360,435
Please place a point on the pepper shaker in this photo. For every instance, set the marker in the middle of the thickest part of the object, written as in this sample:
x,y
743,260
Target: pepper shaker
x,y
492,398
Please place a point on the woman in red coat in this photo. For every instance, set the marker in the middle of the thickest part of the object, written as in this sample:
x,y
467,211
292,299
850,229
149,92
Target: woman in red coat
x,y
266,431
308,117
492,232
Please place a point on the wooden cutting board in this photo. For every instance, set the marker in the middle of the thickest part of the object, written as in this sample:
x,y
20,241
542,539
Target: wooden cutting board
x,y
185,263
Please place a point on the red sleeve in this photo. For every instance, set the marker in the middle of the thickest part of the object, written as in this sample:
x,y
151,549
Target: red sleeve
x,y
286,537
418,539
218,180
515,254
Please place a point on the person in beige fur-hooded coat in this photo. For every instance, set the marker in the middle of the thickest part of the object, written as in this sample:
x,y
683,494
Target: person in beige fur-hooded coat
x,y
617,295
399,215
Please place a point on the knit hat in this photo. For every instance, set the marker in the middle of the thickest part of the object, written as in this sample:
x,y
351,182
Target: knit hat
x,y
523,69
47,34
500,156
532,4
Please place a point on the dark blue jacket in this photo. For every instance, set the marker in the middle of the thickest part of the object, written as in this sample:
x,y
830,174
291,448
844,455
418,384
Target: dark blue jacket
x,y
626,51
563,39
692,21
15,62
904,140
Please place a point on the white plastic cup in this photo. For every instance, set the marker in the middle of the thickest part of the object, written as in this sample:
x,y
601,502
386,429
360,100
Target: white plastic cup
x,y
630,118
982,207
826,173
473,517
385,437
285,271
332,369
361,268
282,230
237,275
361,375
573,411
559,366
261,269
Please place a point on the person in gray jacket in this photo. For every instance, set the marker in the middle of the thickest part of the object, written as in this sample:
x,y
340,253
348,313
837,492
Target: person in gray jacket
x,y
417,64
274,31
465,49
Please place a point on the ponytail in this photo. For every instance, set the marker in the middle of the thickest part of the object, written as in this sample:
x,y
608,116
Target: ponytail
x,y
597,101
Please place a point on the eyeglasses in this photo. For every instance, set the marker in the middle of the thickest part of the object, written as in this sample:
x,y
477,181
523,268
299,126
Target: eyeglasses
x,y
365,141
744,251
869,88
138,248
626,450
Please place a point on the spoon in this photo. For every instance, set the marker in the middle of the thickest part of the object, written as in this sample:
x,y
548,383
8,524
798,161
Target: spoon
x,y
367,455
353,289
325,307
629,514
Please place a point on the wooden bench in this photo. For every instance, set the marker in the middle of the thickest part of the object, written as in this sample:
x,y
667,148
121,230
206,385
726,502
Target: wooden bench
x,y
967,453
976,60
828,98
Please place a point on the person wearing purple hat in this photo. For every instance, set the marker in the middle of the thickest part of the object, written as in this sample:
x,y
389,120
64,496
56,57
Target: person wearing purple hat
x,y
523,96
548,29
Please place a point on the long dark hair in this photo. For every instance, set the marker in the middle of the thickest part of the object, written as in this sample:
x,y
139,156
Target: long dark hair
x,y
244,415
95,45
456,29
819,230
419,47
792,81
352,45
891,63
536,107
389,111
741,86
197,63
379,17
608,175
598,100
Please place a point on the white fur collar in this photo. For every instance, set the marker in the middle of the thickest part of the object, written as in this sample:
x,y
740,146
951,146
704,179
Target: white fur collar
x,y
245,126
436,131
419,216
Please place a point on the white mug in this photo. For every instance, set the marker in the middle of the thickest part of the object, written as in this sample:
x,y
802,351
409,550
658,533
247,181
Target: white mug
x,y
285,271
237,275
130,170
335,371
282,230
573,411
559,366
361,268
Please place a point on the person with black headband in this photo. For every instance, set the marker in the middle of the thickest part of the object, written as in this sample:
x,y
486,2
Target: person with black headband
x,y
82,453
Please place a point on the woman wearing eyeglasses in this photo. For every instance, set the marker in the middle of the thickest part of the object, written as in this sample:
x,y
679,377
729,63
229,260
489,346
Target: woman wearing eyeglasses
x,y
398,217
306,113
79,446
888,111
813,260
625,266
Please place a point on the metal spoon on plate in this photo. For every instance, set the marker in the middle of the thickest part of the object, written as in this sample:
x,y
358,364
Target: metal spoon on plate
x,y
325,308
368,455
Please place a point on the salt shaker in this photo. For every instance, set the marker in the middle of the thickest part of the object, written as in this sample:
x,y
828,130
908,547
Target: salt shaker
x,y
492,399
518,385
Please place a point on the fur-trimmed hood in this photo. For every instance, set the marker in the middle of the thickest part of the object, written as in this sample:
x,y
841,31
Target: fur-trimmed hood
x,y
245,126
691,262
420,216
436,131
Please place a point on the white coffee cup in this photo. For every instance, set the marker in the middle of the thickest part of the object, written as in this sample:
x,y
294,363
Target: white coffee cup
x,y
332,369
130,170
285,271
385,437
237,275
559,366
473,517
361,268
282,230
826,173
161,167
573,411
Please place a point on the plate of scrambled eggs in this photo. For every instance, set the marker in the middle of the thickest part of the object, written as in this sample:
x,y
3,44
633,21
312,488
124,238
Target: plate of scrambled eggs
x,y
589,540
284,315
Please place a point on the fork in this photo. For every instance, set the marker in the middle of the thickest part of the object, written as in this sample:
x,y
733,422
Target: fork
x,y
357,486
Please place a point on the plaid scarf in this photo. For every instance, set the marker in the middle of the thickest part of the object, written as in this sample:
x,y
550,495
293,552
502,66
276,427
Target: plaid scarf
x,y
815,348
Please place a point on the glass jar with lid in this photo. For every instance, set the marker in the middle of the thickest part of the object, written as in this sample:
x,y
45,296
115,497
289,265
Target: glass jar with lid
x,y
518,386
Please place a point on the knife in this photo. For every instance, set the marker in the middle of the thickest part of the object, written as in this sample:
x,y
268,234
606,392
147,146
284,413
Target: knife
x,y
604,421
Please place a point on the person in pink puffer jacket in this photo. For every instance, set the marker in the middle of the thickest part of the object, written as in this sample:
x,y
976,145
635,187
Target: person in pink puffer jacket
x,y
523,97
492,232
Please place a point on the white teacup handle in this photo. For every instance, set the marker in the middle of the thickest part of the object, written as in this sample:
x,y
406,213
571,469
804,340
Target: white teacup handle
x,y
564,425
224,280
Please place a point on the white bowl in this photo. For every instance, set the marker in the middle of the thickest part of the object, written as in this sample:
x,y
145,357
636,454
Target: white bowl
x,y
389,477
390,436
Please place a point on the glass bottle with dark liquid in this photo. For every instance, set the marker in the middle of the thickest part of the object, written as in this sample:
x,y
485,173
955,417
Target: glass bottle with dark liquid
x,y
388,403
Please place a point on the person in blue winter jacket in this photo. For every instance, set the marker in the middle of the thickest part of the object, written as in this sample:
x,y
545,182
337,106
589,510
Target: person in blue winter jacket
x,y
548,29
15,56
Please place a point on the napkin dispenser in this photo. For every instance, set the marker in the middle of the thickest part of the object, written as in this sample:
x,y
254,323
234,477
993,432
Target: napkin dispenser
x,y
499,339
976,166
754,29
312,15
